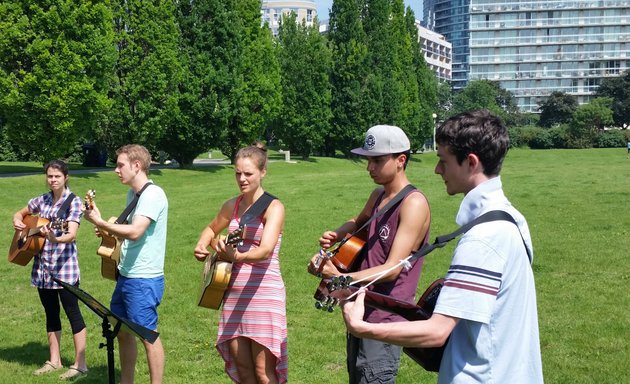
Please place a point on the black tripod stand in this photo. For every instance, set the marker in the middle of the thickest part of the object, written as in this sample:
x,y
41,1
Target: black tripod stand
x,y
109,319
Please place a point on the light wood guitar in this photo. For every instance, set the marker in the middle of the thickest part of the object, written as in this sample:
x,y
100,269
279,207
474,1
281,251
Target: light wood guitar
x,y
331,291
29,242
216,273
109,250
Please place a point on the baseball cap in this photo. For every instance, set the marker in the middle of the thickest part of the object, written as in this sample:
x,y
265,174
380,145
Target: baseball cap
x,y
383,140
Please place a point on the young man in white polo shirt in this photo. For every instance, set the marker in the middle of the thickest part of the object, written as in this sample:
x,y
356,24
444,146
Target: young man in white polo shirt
x,y
488,303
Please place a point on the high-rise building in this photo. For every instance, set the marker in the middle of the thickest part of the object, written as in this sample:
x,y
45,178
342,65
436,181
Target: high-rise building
x,y
437,52
533,48
272,12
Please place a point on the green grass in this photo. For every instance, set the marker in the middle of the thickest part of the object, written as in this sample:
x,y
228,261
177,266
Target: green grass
x,y
574,200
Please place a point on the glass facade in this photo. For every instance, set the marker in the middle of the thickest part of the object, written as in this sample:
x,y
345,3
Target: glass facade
x,y
536,47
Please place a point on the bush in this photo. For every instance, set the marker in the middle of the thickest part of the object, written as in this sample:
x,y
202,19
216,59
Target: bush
x,y
521,136
550,138
610,139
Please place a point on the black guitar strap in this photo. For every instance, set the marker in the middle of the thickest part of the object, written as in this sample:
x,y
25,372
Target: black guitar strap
x,y
123,216
441,241
257,208
399,196
64,210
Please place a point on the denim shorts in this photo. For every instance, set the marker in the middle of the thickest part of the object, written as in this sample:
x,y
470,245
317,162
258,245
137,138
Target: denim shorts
x,y
137,299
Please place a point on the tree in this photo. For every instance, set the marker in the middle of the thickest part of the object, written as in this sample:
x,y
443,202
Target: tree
x,y
557,109
618,88
420,107
588,119
55,63
144,92
486,94
349,52
251,100
305,61
204,54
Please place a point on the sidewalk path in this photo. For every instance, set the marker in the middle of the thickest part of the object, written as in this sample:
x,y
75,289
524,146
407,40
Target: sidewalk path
x,y
196,163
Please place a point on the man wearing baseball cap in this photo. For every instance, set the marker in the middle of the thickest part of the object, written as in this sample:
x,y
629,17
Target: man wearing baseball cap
x,y
391,237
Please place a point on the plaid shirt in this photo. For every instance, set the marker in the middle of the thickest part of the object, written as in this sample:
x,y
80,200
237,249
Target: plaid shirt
x,y
58,259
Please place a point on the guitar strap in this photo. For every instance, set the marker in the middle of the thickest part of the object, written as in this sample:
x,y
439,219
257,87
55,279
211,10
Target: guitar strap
x,y
441,241
64,210
256,209
123,216
399,196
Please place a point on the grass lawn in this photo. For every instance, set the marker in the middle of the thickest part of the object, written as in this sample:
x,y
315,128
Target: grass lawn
x,y
573,200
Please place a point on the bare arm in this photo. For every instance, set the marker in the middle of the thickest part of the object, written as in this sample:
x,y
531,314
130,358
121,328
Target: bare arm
x,y
412,228
18,216
132,231
422,333
218,224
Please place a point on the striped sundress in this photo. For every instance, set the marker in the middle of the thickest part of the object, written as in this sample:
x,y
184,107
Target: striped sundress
x,y
254,305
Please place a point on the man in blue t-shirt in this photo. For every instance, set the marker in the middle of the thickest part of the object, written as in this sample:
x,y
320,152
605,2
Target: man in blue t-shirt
x,y
488,302
140,285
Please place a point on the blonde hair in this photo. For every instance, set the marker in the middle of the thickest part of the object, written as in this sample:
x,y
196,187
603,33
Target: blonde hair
x,y
137,152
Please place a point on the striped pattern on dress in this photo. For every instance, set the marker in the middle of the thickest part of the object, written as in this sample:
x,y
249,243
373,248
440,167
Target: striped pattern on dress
x,y
254,305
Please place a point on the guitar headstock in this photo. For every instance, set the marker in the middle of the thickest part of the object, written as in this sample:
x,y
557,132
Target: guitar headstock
x,y
59,224
331,291
88,203
234,237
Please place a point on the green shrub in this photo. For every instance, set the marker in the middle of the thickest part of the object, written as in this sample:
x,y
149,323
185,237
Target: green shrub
x,y
555,137
610,139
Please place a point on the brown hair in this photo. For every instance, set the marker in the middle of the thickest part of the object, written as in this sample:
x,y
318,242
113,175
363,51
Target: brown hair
x,y
479,132
257,151
136,152
58,165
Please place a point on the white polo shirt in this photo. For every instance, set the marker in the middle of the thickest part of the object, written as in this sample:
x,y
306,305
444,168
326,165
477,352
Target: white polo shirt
x,y
490,288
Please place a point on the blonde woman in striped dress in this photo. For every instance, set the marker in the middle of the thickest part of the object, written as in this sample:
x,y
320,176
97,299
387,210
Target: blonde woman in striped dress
x,y
252,329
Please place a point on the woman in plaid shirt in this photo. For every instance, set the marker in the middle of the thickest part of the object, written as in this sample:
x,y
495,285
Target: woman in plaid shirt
x,y
59,259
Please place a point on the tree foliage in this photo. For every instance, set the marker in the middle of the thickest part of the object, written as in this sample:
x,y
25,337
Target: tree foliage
x,y
349,53
144,92
618,88
205,55
558,108
251,100
56,59
305,61
588,119
480,94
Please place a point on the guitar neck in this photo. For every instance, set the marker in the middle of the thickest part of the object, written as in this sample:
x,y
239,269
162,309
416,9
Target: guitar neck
x,y
385,303
407,310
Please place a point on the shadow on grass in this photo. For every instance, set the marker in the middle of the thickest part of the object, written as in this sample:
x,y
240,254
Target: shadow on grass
x,y
35,354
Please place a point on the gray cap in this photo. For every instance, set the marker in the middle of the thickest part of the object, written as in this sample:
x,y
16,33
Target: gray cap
x,y
383,140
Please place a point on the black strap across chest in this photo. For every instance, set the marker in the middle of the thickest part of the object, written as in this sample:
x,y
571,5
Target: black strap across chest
x,y
399,196
123,216
256,209
441,241
64,211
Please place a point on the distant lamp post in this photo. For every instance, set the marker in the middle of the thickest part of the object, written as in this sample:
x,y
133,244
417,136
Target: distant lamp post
x,y
434,117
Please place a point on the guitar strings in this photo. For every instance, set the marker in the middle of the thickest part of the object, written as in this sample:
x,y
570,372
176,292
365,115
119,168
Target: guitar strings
x,y
405,263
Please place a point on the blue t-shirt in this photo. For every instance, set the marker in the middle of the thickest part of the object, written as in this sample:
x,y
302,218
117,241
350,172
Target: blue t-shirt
x,y
144,258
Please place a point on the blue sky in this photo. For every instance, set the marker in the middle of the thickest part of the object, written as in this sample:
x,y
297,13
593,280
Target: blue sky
x,y
323,6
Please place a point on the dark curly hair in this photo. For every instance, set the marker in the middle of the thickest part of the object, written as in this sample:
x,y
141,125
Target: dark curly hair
x,y
479,132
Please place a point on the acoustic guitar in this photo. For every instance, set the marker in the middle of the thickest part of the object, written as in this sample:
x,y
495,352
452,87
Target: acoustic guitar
x,y
29,241
109,250
331,291
216,273
344,255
